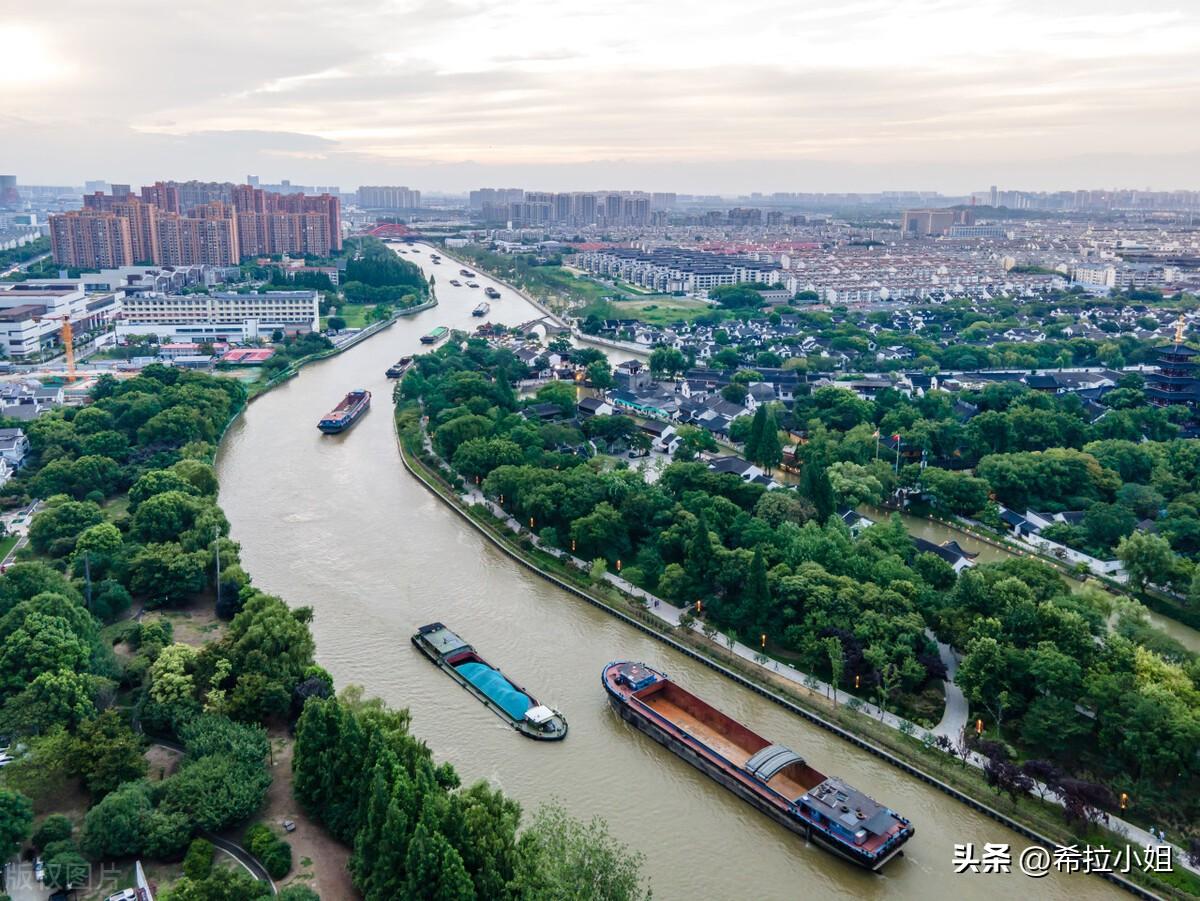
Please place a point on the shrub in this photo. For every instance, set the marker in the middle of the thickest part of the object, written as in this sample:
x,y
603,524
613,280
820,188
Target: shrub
x,y
198,862
55,828
274,853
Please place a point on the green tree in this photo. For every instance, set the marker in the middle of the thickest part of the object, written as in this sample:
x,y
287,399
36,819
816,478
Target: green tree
x,y
55,828
166,574
666,361
561,857
109,753
1146,557
836,654
16,821
815,485
53,698
434,869
55,529
198,862
117,826
854,484
600,375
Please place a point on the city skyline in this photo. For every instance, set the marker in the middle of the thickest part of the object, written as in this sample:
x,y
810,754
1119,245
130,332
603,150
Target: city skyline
x,y
761,97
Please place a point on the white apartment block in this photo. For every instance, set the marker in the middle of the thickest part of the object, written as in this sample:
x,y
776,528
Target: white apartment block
x,y
32,315
219,317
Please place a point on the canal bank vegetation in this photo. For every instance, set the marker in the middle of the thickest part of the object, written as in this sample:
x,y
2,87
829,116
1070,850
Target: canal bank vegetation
x,y
131,523
1108,721
542,278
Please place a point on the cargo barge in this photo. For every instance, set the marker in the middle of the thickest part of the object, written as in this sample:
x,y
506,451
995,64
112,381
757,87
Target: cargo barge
x,y
345,414
498,693
438,334
773,778
397,369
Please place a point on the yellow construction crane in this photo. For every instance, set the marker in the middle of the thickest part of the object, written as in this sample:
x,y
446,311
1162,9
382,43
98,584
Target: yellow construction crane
x,y
68,341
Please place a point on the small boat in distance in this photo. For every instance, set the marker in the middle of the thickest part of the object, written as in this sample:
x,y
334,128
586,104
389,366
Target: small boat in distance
x,y
466,273
438,334
771,777
482,309
456,283
472,284
397,369
491,292
345,414
498,693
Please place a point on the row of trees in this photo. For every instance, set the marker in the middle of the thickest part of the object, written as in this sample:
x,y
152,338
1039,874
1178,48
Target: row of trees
x,y
416,834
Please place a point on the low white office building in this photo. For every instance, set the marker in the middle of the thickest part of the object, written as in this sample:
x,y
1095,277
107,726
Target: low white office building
x,y
219,317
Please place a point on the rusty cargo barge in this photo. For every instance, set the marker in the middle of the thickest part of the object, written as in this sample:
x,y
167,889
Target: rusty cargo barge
x,y
773,778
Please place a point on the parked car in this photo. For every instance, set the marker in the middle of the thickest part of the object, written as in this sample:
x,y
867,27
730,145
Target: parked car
x,y
289,826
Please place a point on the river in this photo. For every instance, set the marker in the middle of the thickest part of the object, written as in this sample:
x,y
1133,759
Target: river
x,y
336,523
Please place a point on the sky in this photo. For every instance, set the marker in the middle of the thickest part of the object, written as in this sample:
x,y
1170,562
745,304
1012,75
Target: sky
x,y
698,97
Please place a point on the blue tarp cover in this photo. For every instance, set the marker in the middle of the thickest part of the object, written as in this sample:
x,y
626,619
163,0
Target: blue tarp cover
x,y
493,684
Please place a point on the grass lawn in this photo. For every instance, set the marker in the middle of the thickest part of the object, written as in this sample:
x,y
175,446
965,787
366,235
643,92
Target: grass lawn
x,y
116,507
6,544
661,309
355,315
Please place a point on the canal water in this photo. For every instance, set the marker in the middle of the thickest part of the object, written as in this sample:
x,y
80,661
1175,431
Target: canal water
x,y
336,523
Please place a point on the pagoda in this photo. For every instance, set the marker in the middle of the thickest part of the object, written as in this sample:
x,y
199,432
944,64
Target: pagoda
x,y
1178,378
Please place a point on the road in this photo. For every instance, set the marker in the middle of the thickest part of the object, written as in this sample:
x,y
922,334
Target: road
x,y
18,523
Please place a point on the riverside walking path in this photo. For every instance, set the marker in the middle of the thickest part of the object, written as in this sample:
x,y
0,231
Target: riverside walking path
x,y
952,725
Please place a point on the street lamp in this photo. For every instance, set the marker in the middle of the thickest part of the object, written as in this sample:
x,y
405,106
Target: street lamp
x,y
1124,800
857,681
699,607
979,727
763,639
618,566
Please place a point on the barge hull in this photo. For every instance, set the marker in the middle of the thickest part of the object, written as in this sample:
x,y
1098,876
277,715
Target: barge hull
x,y
482,697
717,774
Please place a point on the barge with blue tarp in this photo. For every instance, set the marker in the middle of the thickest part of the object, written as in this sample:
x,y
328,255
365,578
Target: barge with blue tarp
x,y
773,778
500,694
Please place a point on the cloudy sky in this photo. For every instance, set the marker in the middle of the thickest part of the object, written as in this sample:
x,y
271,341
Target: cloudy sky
x,y
696,96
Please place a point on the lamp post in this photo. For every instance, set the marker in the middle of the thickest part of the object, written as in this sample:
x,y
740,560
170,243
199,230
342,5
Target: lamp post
x,y
763,640
979,727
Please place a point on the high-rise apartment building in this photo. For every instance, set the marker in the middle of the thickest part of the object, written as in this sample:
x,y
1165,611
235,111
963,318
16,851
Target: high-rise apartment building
x,y
384,197
920,223
9,198
191,223
91,239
